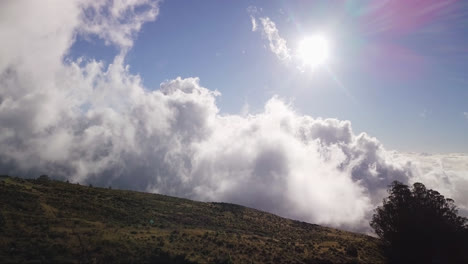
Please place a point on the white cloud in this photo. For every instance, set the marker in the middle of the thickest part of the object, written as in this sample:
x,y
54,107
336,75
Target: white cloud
x,y
254,24
118,22
253,11
277,44
96,123
447,173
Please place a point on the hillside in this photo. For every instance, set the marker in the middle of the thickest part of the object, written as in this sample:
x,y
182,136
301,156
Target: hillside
x,y
45,220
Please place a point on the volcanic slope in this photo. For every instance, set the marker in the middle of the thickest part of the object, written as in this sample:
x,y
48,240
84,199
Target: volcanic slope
x,y
51,221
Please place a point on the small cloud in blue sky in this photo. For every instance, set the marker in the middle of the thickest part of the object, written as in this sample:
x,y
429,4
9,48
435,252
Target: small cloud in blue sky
x,y
276,43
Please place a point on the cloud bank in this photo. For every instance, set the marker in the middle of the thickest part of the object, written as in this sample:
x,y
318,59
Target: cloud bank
x,y
96,123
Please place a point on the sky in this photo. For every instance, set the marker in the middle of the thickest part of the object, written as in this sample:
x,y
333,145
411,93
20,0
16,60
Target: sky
x,y
223,101
397,70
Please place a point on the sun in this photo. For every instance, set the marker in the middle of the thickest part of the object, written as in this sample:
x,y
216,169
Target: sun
x,y
313,51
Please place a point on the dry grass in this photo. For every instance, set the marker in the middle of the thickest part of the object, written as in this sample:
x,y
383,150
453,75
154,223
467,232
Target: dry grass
x,y
62,222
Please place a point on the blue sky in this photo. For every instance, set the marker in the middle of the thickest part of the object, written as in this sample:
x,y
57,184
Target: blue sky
x,y
403,79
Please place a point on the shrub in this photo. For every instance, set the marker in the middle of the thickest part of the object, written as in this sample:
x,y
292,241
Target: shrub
x,y
352,251
43,178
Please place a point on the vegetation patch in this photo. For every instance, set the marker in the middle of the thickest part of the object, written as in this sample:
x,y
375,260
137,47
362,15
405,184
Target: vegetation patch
x,y
50,221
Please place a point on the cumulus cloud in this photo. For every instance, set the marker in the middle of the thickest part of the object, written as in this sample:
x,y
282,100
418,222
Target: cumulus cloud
x,y
447,173
118,21
96,123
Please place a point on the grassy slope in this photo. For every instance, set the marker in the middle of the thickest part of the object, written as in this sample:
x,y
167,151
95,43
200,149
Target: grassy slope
x,y
62,222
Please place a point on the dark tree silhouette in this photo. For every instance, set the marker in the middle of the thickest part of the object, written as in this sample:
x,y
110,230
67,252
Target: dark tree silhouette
x,y
420,226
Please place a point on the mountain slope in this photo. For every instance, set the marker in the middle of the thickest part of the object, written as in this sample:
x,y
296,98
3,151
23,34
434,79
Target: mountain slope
x,y
45,220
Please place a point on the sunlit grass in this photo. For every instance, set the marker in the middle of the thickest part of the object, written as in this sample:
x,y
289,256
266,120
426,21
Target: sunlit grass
x,y
58,221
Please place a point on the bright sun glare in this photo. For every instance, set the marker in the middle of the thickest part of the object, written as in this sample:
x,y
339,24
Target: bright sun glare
x,y
313,51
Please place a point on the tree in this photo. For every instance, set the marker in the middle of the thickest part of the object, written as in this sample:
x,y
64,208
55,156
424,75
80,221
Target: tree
x,y
420,226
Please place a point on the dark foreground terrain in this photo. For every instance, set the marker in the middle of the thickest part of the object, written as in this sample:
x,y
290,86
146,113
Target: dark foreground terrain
x,y
52,221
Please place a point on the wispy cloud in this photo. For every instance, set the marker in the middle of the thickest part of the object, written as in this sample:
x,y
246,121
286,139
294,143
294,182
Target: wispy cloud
x,y
276,43
253,11
254,24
